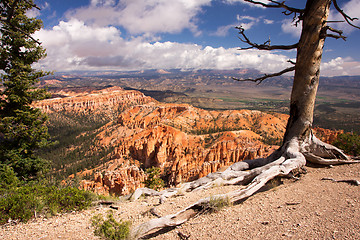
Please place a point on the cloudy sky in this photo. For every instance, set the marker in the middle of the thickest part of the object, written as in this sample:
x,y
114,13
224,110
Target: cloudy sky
x,y
122,35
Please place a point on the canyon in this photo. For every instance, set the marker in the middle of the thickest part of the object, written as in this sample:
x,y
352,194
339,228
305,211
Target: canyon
x,y
88,100
184,142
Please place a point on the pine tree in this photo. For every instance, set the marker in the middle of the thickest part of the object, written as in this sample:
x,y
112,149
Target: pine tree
x,y
22,127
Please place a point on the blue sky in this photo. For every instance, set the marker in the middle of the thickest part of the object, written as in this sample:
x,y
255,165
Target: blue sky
x,y
102,35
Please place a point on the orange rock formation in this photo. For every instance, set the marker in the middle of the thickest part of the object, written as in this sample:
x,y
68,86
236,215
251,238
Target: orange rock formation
x,y
185,142
92,102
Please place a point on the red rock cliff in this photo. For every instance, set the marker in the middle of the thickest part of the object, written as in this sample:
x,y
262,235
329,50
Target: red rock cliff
x,y
92,102
187,143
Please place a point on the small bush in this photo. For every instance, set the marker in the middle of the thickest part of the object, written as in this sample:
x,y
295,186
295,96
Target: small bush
x,y
217,203
349,142
109,228
153,179
8,177
18,205
24,202
68,199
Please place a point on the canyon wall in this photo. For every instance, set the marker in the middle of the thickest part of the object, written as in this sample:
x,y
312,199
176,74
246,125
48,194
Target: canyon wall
x,y
185,142
99,101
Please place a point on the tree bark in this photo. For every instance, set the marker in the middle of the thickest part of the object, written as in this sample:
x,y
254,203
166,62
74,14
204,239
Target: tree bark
x,y
307,70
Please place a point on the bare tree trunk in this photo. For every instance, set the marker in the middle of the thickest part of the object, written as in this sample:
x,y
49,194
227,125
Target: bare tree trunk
x,y
307,70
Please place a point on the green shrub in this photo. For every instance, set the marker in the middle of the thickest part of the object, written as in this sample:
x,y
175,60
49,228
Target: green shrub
x,y
153,179
110,228
68,199
18,205
8,177
349,142
24,202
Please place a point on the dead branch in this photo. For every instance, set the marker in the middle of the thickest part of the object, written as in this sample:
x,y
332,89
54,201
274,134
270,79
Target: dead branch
x,y
182,236
261,79
338,34
114,207
292,62
323,161
265,46
277,4
335,36
347,18
292,203
154,212
350,181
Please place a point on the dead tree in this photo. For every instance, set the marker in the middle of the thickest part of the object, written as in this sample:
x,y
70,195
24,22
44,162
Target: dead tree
x,y
299,143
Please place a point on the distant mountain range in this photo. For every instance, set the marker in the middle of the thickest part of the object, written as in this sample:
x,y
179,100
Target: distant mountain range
x,y
337,104
285,81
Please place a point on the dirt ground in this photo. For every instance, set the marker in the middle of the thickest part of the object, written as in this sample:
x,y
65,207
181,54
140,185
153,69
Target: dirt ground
x,y
309,208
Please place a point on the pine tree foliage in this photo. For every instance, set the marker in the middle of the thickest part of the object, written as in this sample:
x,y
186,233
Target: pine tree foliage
x,y
22,128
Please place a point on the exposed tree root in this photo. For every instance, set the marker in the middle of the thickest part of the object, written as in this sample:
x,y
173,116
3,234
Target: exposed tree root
x,y
325,154
254,174
350,181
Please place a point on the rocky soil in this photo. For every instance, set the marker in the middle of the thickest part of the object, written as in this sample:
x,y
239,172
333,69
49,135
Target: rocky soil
x,y
309,208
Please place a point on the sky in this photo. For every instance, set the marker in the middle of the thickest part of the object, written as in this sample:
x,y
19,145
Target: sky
x,y
128,35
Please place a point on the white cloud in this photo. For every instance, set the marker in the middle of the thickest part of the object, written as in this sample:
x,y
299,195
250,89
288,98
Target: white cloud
x,y
247,22
73,45
288,26
250,18
340,66
268,21
69,43
223,31
87,41
102,3
143,16
335,64
34,12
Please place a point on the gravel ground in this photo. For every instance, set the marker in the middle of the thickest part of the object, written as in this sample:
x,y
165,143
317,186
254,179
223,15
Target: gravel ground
x,y
309,208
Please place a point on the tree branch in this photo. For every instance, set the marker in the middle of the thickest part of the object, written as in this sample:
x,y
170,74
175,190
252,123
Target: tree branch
x,y
277,4
20,30
347,18
260,79
338,34
288,10
265,46
7,20
292,62
11,10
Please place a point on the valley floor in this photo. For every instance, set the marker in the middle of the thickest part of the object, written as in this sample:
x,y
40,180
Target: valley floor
x,y
309,208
